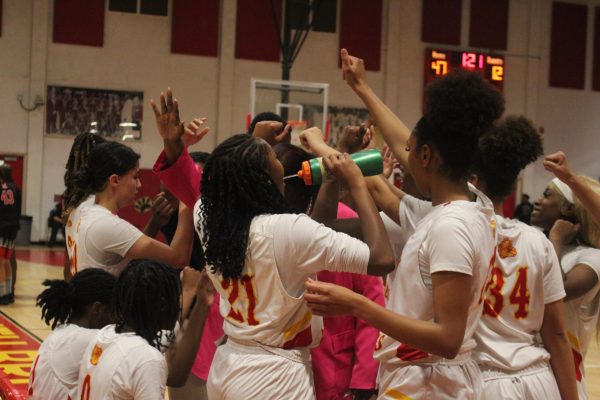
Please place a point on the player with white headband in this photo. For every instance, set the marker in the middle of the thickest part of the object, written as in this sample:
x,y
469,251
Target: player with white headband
x,y
574,234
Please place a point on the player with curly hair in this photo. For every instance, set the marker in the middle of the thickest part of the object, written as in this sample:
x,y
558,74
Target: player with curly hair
x,y
525,292
435,298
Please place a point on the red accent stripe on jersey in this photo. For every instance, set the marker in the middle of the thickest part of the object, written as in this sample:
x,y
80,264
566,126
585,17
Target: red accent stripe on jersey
x,y
302,339
407,353
578,359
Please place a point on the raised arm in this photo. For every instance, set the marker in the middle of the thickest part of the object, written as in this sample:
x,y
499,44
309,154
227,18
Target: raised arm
x,y
171,128
558,164
381,258
181,355
393,130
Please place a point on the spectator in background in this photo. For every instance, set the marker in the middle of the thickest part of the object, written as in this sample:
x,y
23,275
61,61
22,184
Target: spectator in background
x,y
55,222
10,214
524,209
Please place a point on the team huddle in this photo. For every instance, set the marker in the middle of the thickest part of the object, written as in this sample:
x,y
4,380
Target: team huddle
x,y
355,289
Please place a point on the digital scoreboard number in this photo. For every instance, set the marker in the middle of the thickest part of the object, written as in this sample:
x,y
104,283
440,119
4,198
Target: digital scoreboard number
x,y
439,62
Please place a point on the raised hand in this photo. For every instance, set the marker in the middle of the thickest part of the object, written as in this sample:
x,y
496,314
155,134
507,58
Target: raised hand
x,y
272,132
557,164
162,210
312,138
195,131
190,279
168,123
353,69
563,231
389,161
344,169
205,292
354,138
329,300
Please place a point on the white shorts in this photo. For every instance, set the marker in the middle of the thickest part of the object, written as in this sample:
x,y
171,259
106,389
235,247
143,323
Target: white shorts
x,y
536,382
239,371
442,380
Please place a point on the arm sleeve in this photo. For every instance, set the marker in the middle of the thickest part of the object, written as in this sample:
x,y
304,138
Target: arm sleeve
x,y
309,247
365,367
590,257
182,178
149,380
553,283
449,247
112,235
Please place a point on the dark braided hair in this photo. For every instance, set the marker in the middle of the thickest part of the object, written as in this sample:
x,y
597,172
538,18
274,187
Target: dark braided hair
x,y
509,147
460,108
235,189
64,301
104,160
147,301
78,157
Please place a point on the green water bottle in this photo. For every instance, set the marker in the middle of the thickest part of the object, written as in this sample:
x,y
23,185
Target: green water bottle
x,y
313,172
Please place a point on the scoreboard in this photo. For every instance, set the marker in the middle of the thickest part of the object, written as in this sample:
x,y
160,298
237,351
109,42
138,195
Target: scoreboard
x,y
439,62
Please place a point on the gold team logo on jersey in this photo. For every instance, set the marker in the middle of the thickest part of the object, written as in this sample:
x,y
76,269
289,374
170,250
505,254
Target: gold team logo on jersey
x,y
506,249
96,353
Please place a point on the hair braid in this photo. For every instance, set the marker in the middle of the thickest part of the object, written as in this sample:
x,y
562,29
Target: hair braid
x,y
235,189
144,289
63,301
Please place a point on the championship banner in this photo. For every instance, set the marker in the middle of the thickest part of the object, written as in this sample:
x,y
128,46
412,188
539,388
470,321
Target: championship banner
x,y
18,349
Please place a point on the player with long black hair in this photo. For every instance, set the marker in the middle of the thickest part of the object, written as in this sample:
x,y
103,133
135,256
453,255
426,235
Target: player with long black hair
x,y
259,253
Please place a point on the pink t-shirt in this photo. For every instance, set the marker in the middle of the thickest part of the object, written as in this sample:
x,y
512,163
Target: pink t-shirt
x,y
213,330
344,359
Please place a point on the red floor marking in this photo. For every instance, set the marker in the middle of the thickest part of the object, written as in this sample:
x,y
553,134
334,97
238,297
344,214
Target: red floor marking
x,y
18,349
55,257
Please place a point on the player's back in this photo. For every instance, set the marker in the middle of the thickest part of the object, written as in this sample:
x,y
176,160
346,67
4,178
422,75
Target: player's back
x,y
525,277
258,308
55,369
121,366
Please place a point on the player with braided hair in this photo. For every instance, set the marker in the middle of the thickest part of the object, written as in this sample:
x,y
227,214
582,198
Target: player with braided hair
x,y
259,254
124,360
75,310
525,292
82,146
78,156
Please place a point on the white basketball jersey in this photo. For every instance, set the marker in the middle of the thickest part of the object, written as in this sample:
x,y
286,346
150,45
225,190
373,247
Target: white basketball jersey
x,y
411,293
97,238
525,277
581,313
121,366
257,307
55,370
